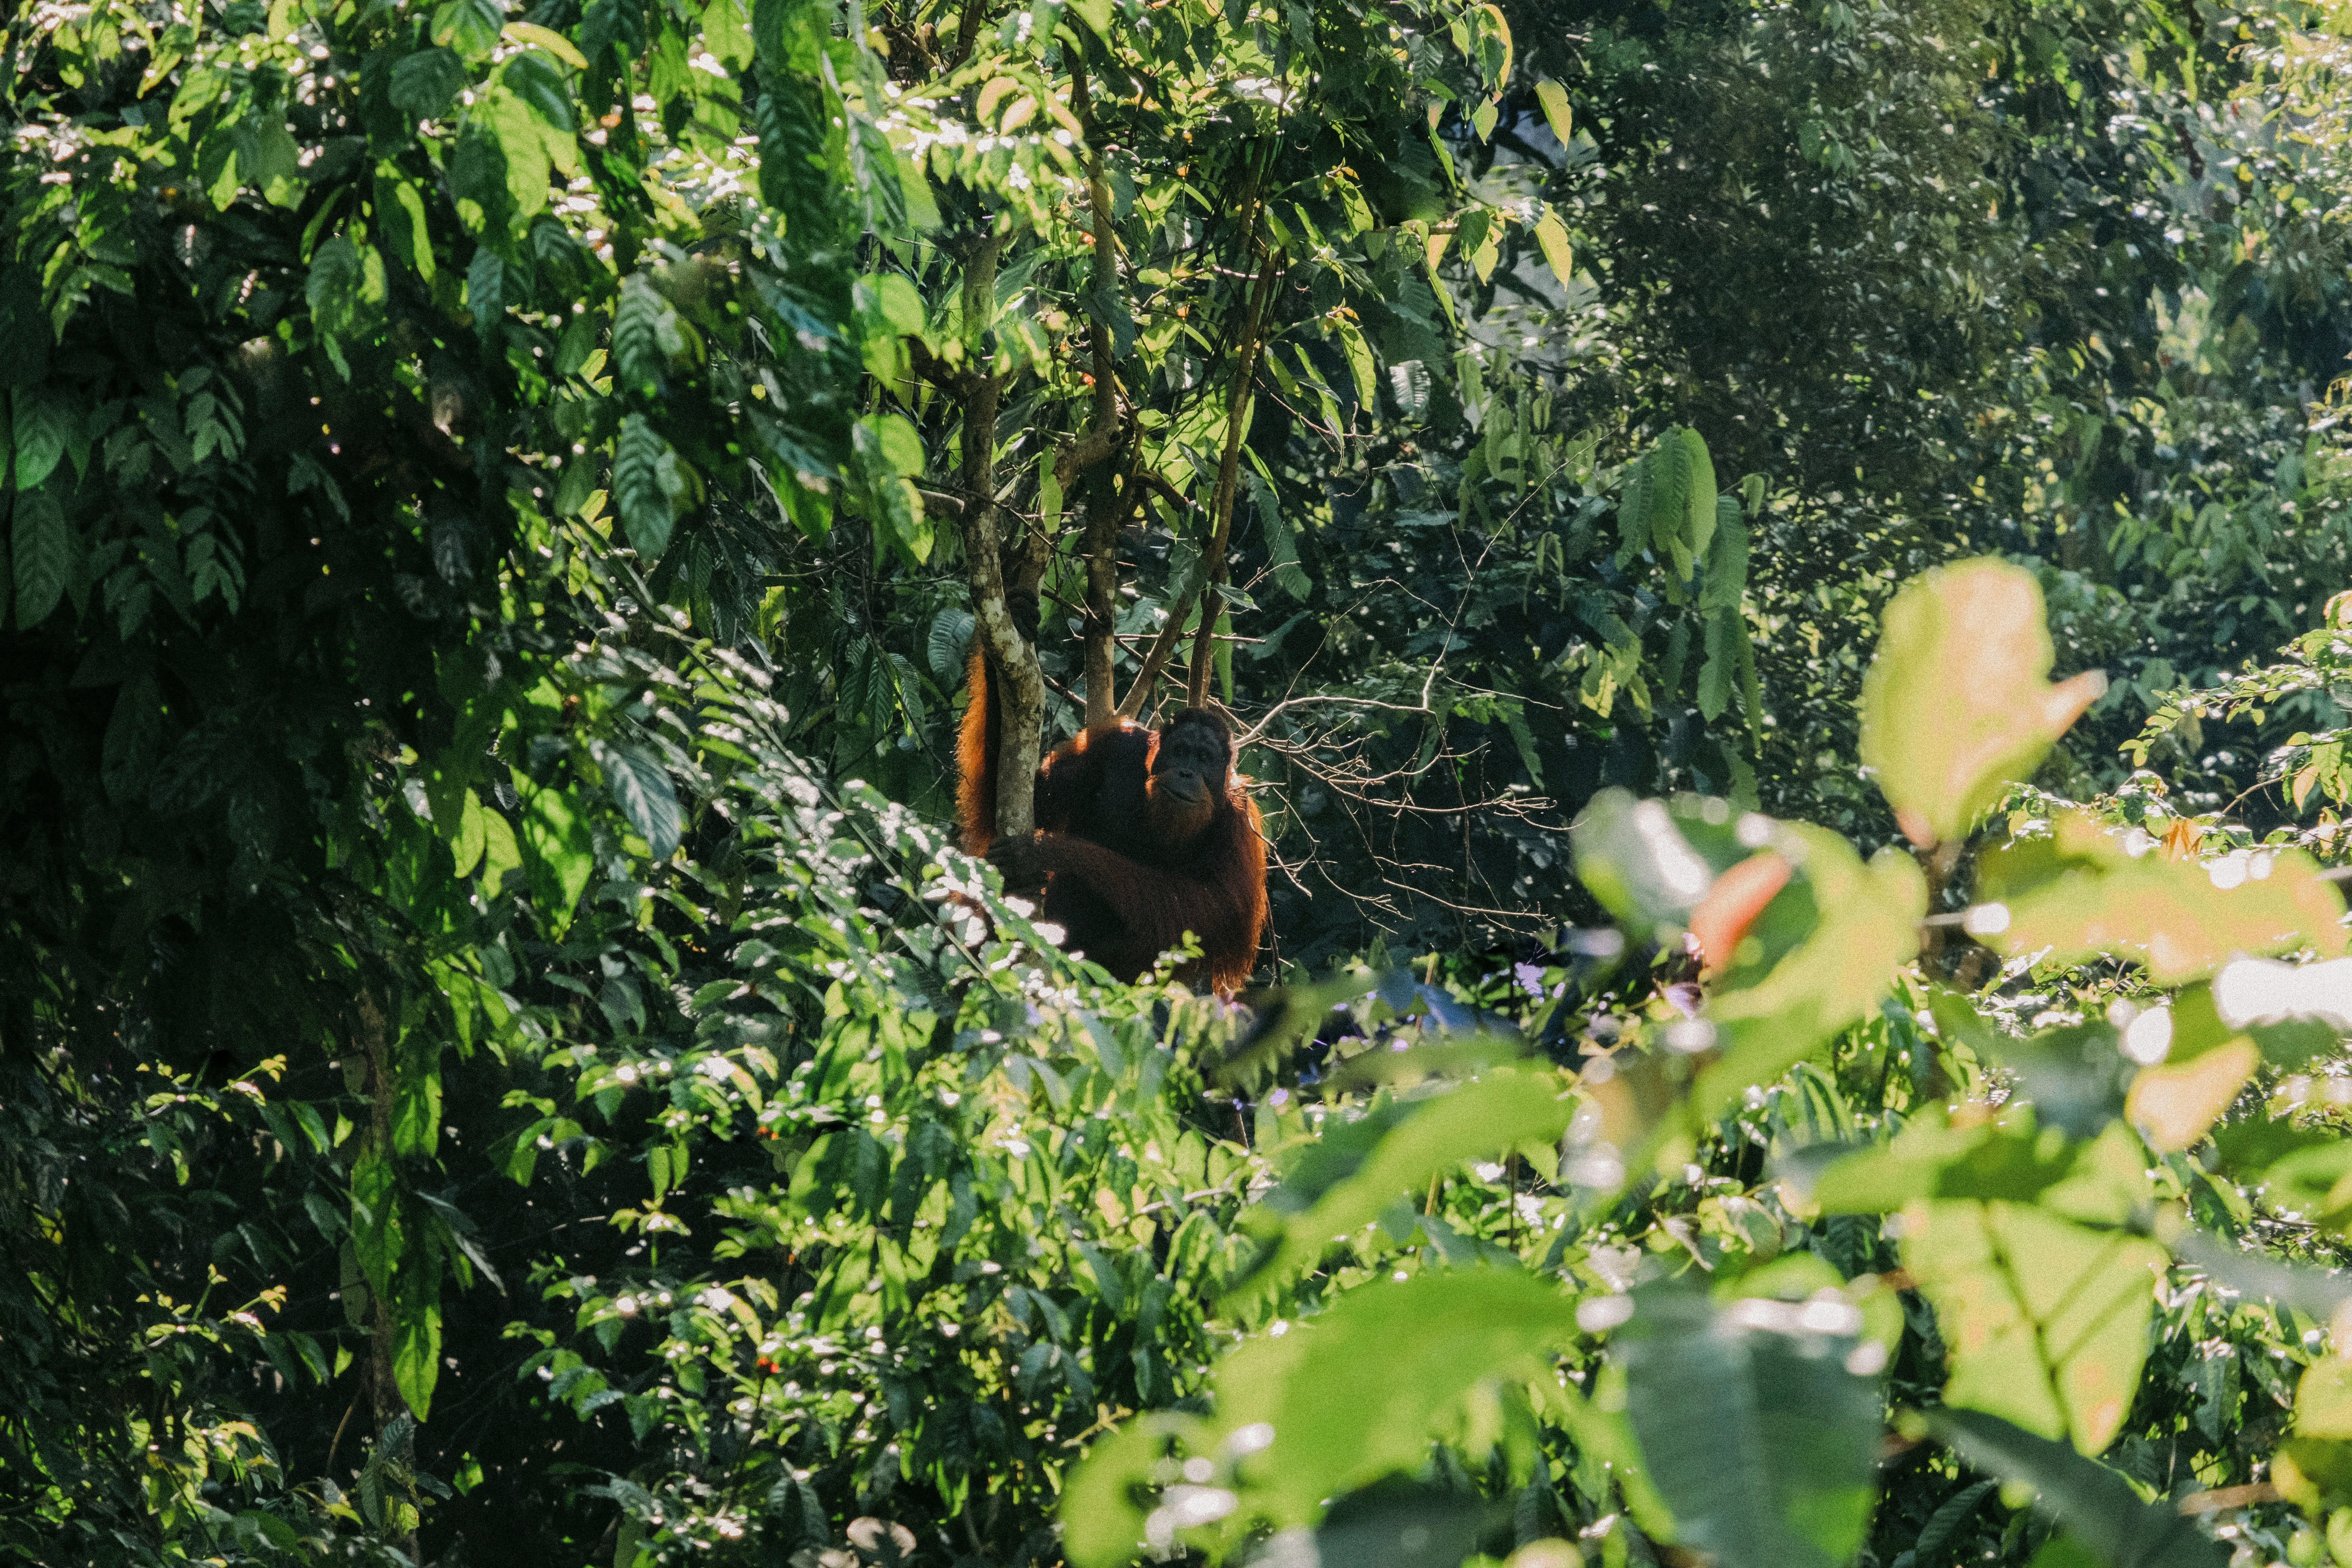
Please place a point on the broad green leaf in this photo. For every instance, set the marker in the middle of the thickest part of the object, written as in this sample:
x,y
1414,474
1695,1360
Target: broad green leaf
x,y
45,555
1957,701
1551,238
1095,14
426,84
417,1356
2102,1512
1651,862
468,846
2314,1469
1105,1501
1994,1159
500,851
1328,1428
400,210
416,1107
642,789
2081,892
1360,366
557,852
1356,1170
43,421
469,26
646,481
1553,98
891,299
2047,1320
1755,1432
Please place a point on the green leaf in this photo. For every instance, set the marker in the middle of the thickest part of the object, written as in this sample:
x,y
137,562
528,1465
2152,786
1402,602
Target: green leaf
x,y
1328,1428
400,211
1757,1435
1927,1161
471,840
1095,15
416,1106
46,553
43,424
1957,702
557,852
532,36
642,789
646,336
1359,1169
1553,98
500,851
469,26
2080,892
426,84
1650,863
417,1356
2102,1512
523,146
2047,1320
1946,1521
948,644
644,482
1771,1012
1719,675
1551,238
1360,365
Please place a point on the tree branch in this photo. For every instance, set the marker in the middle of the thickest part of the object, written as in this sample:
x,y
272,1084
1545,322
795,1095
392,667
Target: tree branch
x,y
1237,406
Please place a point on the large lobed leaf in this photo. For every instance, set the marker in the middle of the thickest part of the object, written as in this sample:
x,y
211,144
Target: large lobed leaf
x,y
1958,700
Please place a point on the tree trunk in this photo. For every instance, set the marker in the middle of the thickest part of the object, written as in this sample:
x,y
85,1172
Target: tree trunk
x,y
383,1391
1020,688
1204,644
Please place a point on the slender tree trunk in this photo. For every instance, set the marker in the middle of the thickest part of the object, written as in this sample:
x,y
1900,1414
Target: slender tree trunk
x,y
384,1390
1020,685
1106,505
1204,644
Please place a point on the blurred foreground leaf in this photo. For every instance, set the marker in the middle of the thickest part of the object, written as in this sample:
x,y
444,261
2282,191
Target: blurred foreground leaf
x,y
2081,892
1756,1433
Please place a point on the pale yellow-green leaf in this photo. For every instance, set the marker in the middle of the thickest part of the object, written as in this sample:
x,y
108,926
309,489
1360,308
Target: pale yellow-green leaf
x,y
1553,98
1551,235
2174,1104
531,35
2046,1320
2080,892
1957,701
1360,365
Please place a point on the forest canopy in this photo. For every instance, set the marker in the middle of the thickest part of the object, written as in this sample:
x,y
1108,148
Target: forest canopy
x,y
1771,584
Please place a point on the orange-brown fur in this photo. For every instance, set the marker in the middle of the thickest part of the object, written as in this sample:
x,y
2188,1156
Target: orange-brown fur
x,y
1127,867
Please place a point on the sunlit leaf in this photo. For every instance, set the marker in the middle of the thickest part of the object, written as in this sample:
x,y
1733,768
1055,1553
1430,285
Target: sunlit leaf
x,y
2080,892
2046,1320
1958,700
